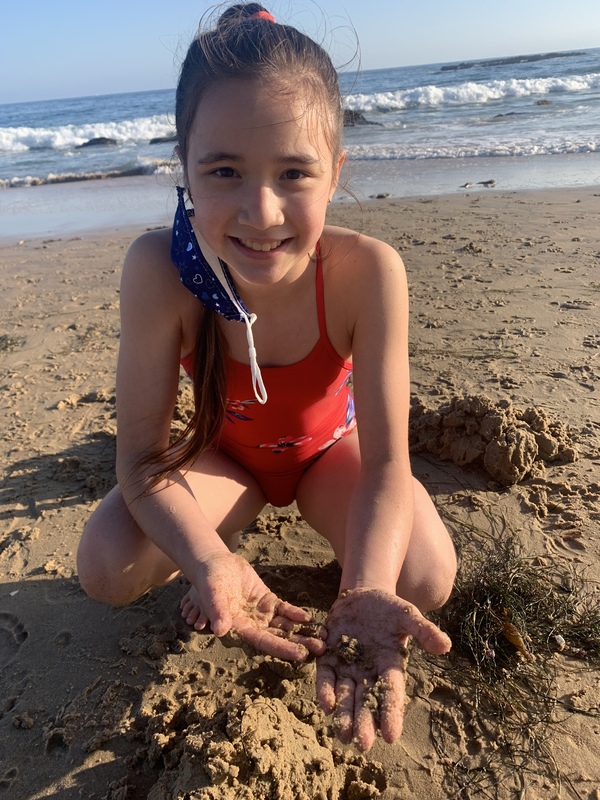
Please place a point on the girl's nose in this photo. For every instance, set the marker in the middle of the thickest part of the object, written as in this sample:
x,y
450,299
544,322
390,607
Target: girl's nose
x,y
261,208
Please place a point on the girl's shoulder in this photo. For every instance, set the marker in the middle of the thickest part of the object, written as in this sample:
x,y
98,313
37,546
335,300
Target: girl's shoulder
x,y
148,264
151,280
357,260
152,249
364,282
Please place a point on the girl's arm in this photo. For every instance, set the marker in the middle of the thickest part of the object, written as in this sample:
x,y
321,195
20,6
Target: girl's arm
x,y
381,514
368,612
152,330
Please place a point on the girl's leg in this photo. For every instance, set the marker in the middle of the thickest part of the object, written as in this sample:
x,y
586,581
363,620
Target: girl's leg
x,y
117,562
323,498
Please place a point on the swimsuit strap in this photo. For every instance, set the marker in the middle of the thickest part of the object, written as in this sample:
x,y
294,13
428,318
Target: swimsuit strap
x,y
324,337
320,291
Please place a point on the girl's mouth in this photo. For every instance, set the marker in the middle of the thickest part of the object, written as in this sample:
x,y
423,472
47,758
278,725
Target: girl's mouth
x,y
261,247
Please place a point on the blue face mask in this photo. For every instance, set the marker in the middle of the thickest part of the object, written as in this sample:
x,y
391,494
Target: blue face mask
x,y
207,277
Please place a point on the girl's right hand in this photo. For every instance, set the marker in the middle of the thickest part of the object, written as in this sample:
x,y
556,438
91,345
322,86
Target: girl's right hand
x,y
232,597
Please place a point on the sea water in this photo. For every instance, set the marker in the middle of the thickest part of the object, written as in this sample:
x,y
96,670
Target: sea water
x,y
527,122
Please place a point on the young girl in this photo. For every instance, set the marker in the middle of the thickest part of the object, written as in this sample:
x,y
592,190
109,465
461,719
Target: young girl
x,y
270,312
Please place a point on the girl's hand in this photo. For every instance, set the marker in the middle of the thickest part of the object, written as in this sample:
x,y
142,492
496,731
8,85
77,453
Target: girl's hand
x,y
232,597
361,676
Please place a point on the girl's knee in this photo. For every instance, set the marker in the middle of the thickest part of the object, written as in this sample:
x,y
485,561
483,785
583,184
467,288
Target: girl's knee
x,y
431,588
430,567
109,555
93,569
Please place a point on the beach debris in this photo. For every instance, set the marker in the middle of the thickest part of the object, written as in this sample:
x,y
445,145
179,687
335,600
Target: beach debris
x,y
10,342
507,442
512,634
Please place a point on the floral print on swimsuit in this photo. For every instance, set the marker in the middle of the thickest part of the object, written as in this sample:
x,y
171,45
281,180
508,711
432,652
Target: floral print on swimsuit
x,y
236,410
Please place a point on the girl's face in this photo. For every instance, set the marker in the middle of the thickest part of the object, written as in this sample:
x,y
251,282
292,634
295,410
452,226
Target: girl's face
x,y
260,172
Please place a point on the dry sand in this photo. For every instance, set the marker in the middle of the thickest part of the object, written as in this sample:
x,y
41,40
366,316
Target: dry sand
x,y
129,703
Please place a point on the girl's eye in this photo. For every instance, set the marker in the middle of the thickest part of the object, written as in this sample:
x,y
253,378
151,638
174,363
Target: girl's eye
x,y
224,172
293,174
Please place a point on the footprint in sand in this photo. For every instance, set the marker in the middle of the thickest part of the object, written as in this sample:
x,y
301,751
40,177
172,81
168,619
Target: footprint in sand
x,y
12,636
7,780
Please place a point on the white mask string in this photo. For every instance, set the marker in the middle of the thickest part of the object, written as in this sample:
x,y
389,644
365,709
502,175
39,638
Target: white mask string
x,y
215,263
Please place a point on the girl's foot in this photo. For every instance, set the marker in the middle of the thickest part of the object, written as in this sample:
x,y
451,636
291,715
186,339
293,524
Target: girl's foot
x,y
191,610
190,605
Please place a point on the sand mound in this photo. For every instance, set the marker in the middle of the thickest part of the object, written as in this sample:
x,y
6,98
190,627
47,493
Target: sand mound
x,y
507,442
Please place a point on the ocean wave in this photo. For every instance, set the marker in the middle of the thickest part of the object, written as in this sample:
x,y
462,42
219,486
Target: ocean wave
x,y
141,166
470,150
470,92
63,137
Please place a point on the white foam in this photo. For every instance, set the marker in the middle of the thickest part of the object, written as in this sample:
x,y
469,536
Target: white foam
x,y
469,93
132,131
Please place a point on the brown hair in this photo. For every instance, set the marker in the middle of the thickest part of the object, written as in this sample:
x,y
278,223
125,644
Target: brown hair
x,y
242,47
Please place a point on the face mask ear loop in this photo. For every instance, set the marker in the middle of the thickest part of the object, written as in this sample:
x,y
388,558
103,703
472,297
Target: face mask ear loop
x,y
257,382
220,270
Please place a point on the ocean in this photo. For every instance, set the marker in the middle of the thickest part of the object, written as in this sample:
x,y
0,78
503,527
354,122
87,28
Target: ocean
x,y
527,122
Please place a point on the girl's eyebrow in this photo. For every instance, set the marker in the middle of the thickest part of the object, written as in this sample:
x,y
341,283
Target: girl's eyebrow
x,y
300,158
297,158
213,157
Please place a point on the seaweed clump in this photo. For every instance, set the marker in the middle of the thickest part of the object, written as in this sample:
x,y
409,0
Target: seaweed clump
x,y
508,611
509,618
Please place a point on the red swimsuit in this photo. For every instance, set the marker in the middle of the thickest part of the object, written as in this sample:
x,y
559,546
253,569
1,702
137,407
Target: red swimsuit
x,y
310,407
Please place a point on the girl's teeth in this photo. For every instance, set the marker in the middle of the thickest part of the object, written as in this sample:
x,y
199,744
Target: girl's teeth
x,y
262,246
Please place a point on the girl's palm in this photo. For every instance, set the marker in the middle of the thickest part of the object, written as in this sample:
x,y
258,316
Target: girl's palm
x,y
361,676
234,597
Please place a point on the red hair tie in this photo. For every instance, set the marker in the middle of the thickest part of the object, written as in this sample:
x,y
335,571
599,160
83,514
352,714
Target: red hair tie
x,y
263,15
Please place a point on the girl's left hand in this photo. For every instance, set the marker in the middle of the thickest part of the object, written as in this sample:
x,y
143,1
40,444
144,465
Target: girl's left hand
x,y
361,676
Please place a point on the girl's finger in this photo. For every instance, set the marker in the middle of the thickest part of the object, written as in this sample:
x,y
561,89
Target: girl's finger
x,y
391,704
343,715
428,635
266,641
293,613
314,630
325,687
315,647
366,707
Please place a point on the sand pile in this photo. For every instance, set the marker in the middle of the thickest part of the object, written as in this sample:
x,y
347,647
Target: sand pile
x,y
507,442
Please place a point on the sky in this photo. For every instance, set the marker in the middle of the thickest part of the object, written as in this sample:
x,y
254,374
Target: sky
x,y
70,48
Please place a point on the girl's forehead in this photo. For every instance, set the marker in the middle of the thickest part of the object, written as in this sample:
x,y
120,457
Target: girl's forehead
x,y
250,111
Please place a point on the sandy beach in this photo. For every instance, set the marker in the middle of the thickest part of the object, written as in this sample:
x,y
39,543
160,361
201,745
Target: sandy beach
x,y
124,704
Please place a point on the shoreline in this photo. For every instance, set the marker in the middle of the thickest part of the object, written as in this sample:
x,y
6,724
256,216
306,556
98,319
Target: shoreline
x,y
117,204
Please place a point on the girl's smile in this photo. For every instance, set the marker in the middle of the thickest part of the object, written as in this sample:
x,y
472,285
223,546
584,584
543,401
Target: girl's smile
x,y
263,247
260,172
